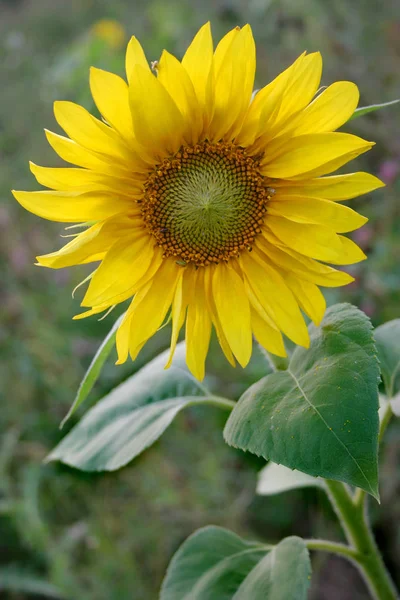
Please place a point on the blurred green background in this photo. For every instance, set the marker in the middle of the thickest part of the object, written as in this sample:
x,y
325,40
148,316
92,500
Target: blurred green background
x,y
66,534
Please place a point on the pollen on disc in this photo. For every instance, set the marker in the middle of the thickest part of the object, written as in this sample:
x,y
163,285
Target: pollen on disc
x,y
206,203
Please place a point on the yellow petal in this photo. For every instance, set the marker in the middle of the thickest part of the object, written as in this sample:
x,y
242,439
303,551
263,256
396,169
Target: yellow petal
x,y
157,122
149,313
89,313
75,154
261,309
111,95
306,268
268,99
83,180
123,333
301,86
233,311
178,317
309,297
350,253
267,336
223,342
198,61
124,265
315,210
265,102
175,79
219,91
198,329
134,56
275,297
329,111
286,96
233,83
72,207
315,241
89,132
222,48
82,249
311,155
249,129
122,339
335,187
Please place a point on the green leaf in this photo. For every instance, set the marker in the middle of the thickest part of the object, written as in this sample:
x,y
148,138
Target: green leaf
x,y
321,415
387,338
215,563
275,479
284,574
132,417
364,110
94,370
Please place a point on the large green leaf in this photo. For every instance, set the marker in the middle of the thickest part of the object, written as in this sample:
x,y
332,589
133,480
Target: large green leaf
x,y
214,563
321,415
387,338
275,479
131,417
364,110
94,369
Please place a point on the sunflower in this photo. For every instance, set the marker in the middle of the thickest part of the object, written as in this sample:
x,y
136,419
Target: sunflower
x,y
204,201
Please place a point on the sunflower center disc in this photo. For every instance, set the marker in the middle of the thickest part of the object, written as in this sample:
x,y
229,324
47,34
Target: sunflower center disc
x,y
206,203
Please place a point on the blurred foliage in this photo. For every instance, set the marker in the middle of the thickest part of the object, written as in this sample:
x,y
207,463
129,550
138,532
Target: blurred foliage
x,y
65,534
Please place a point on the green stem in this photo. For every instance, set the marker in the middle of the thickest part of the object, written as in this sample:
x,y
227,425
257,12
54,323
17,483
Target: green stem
x,y
353,518
387,415
214,400
333,547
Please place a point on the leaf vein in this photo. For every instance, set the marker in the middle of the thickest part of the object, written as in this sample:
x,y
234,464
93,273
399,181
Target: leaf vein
x,y
327,426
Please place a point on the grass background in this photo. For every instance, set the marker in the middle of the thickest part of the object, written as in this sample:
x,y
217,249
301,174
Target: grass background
x,y
110,536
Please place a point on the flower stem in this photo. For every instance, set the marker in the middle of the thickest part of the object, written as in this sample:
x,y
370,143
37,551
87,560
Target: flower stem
x,y
222,402
333,547
353,518
387,415
213,400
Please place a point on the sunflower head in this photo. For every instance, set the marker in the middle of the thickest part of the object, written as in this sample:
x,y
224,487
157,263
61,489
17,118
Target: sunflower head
x,y
204,201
